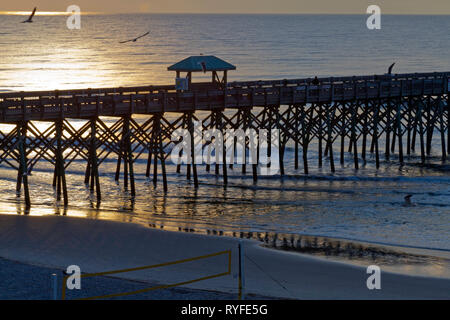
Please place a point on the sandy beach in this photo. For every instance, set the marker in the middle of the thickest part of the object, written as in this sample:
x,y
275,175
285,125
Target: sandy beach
x,y
98,246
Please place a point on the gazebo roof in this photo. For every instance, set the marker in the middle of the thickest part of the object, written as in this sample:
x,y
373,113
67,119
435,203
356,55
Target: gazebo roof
x,y
194,63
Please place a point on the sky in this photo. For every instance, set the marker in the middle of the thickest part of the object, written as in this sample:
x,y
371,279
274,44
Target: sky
x,y
234,6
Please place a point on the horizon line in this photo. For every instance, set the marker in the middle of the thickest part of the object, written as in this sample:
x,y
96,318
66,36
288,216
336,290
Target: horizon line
x,y
44,13
55,13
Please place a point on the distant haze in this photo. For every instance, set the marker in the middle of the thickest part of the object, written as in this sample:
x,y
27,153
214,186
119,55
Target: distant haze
x,y
235,6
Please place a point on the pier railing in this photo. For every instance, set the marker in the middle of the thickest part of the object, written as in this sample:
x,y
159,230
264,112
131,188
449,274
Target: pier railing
x,y
86,103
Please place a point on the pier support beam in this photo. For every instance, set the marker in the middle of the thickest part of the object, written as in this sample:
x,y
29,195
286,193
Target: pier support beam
x,y
365,128
192,132
409,126
399,131
22,175
429,124
184,125
331,111
248,125
126,154
354,137
221,125
376,107
319,132
387,130
305,137
296,128
157,151
216,117
92,176
343,118
447,107
442,128
59,175
208,144
421,132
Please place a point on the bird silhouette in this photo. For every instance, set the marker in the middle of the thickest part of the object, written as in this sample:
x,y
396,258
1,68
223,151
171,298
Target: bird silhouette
x,y
203,65
408,202
390,68
30,19
135,39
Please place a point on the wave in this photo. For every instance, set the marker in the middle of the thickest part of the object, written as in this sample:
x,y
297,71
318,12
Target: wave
x,y
289,176
417,179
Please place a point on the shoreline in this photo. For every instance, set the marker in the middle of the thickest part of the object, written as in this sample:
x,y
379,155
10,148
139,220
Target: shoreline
x,y
415,261
99,245
400,259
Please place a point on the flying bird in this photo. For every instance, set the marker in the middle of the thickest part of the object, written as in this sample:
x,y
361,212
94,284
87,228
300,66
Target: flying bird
x,y
30,19
135,39
390,68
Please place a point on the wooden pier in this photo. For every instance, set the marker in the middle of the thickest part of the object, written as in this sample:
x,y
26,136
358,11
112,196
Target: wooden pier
x,y
407,111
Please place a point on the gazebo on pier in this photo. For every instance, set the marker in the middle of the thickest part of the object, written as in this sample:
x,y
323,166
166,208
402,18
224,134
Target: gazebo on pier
x,y
202,64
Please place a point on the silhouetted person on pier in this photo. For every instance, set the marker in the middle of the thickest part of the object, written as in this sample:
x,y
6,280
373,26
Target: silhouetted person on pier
x,y
315,81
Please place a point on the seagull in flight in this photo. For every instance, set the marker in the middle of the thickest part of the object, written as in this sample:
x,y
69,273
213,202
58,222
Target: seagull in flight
x,y
390,68
30,19
135,39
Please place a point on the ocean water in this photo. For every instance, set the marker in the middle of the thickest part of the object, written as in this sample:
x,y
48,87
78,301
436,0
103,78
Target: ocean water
x,y
47,55
363,205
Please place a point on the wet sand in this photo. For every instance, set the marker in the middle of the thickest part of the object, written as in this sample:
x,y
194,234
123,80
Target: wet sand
x,y
96,246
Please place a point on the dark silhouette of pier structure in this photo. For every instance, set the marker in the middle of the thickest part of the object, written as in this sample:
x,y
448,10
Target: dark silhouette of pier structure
x,y
407,111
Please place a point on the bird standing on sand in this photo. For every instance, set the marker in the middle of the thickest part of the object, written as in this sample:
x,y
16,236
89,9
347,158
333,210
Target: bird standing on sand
x,y
135,39
408,202
30,19
390,68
